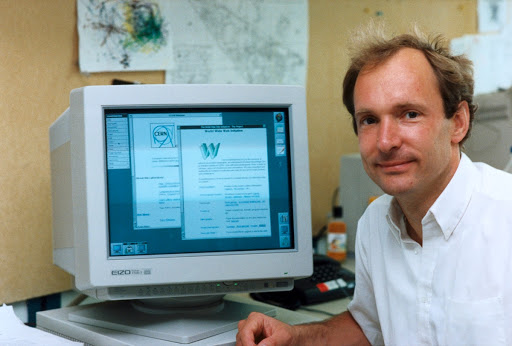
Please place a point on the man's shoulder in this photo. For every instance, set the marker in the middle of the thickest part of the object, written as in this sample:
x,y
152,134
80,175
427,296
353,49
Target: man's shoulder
x,y
493,182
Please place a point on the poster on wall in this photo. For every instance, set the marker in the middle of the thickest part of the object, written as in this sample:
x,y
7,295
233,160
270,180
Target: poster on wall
x,y
197,41
490,52
492,15
240,41
124,35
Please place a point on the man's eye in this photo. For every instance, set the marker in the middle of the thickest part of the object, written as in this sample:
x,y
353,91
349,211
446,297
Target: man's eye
x,y
368,121
412,115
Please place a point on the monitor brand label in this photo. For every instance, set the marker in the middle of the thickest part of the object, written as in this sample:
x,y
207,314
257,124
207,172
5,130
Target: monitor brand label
x,y
119,272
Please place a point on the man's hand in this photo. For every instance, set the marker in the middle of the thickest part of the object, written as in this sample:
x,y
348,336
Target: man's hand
x,y
260,329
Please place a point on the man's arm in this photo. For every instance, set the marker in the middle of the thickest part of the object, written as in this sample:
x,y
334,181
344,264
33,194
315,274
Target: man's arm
x,y
259,329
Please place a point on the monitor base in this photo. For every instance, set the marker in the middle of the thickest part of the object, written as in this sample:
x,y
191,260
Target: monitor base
x,y
110,320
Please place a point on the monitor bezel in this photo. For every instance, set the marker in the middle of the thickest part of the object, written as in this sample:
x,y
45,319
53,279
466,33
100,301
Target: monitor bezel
x,y
94,269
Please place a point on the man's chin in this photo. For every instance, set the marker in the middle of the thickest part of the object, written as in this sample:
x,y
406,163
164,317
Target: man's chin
x,y
394,187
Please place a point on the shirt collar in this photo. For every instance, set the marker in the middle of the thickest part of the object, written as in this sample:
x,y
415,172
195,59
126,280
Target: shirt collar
x,y
396,222
451,205
448,209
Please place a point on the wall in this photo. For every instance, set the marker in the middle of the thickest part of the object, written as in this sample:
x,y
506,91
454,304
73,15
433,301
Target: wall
x,y
39,67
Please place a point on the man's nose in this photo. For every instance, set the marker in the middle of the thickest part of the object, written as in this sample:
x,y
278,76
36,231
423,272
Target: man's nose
x,y
388,135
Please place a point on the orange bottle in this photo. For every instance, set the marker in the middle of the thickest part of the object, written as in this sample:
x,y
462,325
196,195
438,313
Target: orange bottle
x,y
337,236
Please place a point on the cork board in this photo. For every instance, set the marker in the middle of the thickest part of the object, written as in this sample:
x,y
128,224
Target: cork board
x,y
39,67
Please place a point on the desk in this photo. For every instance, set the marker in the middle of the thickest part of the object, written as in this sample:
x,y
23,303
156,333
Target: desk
x,y
56,321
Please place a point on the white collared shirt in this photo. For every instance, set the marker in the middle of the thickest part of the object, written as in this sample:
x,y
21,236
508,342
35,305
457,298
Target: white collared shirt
x,y
457,288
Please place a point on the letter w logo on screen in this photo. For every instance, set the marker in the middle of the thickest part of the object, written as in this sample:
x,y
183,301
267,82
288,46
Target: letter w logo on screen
x,y
209,150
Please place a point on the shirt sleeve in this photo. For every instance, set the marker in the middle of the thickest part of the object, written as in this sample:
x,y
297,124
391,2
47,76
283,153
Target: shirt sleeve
x,y
363,306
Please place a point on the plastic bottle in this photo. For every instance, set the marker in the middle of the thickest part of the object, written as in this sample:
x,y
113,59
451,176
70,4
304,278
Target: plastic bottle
x,y
337,235
508,167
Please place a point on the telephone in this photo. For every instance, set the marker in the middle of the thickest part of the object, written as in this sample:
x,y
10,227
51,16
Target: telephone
x,y
329,281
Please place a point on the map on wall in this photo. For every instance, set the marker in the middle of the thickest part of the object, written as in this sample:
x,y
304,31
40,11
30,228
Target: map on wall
x,y
240,41
124,35
197,41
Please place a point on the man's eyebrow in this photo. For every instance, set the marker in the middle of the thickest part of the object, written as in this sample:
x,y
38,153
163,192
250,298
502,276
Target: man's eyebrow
x,y
397,107
409,105
361,112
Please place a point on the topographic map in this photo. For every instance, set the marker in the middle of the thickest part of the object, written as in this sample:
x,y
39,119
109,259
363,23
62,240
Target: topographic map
x,y
240,41
197,41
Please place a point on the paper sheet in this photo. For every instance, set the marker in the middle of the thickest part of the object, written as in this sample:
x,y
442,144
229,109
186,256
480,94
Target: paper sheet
x,y
492,15
125,35
196,41
239,41
491,55
491,50
14,333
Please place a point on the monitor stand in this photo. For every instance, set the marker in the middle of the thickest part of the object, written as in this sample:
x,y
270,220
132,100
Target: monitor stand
x,y
179,324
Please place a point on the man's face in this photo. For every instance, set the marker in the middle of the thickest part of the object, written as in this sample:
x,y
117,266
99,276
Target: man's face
x,y
405,140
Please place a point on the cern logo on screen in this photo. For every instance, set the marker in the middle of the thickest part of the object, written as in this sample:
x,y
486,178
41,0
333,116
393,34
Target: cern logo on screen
x,y
209,151
162,136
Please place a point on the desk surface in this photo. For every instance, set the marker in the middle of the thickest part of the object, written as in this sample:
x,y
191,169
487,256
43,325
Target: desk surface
x,y
56,321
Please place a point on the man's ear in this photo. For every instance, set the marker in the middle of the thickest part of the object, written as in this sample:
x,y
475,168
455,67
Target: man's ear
x,y
460,122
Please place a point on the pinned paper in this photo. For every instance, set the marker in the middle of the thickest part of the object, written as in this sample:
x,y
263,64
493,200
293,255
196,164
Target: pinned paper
x,y
14,332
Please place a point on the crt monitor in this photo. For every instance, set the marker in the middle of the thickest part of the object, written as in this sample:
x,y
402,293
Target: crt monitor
x,y
170,196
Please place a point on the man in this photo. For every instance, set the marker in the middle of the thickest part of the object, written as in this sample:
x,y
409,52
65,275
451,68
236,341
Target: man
x,y
433,255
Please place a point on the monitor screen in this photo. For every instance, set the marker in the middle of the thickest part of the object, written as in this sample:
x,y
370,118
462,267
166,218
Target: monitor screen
x,y
197,180
182,191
